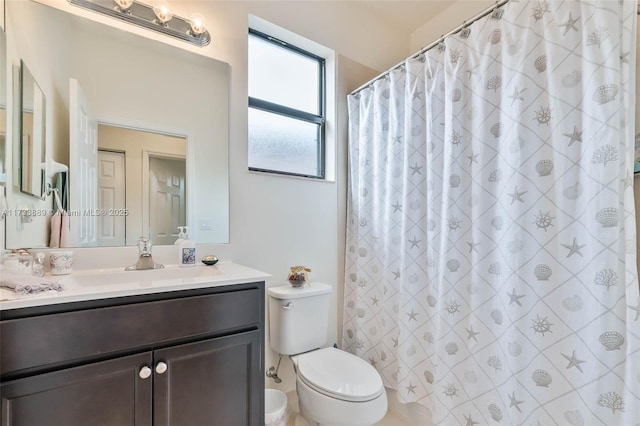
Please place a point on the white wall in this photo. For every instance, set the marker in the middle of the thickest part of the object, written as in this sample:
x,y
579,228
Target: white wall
x,y
279,221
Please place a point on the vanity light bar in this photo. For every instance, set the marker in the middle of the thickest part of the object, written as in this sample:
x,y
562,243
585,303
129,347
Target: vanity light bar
x,y
142,15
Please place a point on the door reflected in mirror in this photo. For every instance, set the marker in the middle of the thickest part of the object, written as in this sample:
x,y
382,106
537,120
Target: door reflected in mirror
x,y
140,174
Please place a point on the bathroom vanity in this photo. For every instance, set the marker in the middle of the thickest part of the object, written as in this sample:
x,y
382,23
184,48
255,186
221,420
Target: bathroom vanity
x,y
158,351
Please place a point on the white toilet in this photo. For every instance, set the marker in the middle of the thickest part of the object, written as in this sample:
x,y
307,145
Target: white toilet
x,y
335,388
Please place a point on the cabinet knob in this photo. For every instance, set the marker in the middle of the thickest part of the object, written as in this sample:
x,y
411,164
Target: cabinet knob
x,y
161,367
145,372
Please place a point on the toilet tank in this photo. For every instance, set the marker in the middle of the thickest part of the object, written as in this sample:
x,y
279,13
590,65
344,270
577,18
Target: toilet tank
x,y
298,317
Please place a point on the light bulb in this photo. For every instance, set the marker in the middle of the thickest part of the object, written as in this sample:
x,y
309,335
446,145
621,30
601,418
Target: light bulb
x,y
198,23
123,5
162,12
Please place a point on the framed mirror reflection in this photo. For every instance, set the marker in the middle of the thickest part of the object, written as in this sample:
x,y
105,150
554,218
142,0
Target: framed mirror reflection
x,y
31,134
3,108
94,77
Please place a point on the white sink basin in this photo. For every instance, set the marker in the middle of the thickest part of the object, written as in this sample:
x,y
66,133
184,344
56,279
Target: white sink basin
x,y
113,276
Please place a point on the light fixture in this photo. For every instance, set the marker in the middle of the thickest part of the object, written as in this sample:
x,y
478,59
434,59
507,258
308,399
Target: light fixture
x,y
162,11
198,24
157,17
123,5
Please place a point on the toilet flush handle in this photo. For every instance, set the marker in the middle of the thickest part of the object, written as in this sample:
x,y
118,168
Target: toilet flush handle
x,y
288,305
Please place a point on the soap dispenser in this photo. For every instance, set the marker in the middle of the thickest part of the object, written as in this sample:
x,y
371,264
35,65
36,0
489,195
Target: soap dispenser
x,y
179,242
187,250
180,235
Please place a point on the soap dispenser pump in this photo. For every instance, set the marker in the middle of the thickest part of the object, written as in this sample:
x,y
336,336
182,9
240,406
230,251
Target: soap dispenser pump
x,y
187,250
180,235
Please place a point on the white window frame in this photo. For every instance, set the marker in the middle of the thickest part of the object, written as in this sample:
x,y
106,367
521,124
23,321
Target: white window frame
x,y
318,119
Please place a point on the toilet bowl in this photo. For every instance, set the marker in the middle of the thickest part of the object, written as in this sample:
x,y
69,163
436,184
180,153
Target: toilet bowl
x,y
334,387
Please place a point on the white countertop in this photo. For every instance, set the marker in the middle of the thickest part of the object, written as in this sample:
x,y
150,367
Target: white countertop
x,y
106,283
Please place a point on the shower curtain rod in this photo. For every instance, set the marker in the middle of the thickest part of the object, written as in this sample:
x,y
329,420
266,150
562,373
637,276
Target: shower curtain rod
x,y
480,15
465,24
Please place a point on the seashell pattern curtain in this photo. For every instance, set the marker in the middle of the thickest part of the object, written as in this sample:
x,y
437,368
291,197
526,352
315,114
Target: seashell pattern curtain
x,y
491,243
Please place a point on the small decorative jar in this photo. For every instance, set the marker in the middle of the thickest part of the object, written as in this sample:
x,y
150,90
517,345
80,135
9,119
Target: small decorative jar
x,y
18,262
298,275
61,262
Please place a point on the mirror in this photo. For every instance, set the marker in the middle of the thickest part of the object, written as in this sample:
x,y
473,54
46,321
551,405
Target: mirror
x,y
105,77
3,106
32,130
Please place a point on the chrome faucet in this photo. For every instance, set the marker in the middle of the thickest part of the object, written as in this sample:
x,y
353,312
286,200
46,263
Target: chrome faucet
x,y
145,261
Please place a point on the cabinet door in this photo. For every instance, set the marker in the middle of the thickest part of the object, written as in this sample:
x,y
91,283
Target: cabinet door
x,y
212,382
106,393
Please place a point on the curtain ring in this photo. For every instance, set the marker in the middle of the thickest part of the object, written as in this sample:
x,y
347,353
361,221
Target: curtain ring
x,y
497,13
420,57
441,46
465,31
398,68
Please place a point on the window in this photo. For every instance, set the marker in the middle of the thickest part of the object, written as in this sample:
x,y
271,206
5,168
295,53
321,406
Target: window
x,y
286,108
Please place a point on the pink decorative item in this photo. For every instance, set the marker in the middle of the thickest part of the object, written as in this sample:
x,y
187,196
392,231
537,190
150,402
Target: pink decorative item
x,y
61,262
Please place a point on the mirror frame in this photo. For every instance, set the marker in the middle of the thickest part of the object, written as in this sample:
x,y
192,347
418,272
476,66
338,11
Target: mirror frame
x,y
34,164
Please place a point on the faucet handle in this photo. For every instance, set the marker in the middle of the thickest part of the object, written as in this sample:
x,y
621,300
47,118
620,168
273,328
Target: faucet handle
x,y
144,246
145,261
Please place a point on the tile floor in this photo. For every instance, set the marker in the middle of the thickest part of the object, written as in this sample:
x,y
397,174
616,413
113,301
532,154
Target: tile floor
x,y
391,419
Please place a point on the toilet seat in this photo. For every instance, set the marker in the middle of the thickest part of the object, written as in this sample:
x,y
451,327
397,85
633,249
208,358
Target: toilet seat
x,y
339,375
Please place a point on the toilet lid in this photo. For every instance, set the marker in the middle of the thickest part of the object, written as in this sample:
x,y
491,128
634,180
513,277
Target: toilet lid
x,y
339,374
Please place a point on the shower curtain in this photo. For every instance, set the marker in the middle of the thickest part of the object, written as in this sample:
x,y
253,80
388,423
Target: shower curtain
x,y
491,257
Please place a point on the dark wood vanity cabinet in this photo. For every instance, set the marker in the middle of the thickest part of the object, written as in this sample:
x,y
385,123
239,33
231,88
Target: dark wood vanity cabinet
x,y
100,393
170,359
204,372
